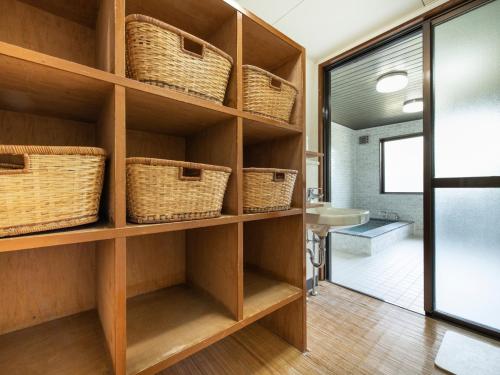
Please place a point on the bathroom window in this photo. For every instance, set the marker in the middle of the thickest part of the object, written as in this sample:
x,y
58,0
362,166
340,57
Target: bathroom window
x,y
402,164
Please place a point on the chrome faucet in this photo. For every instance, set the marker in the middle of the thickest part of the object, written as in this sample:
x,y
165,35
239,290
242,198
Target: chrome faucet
x,y
314,193
388,215
394,216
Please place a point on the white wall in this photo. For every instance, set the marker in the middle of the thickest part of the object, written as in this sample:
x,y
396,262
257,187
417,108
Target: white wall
x,y
358,166
311,105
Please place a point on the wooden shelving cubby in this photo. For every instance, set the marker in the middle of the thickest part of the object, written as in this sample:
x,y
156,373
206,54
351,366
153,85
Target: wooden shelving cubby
x,y
196,135
210,20
282,152
57,314
182,289
78,31
263,48
120,298
73,112
273,270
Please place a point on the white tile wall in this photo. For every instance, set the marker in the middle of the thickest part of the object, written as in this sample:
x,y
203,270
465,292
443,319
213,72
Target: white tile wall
x,y
343,161
356,168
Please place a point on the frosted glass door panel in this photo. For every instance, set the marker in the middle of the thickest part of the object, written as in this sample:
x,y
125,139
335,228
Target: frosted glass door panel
x,y
467,94
467,265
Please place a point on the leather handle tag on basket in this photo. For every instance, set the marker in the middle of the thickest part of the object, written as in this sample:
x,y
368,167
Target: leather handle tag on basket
x,y
279,177
193,48
190,174
275,84
14,164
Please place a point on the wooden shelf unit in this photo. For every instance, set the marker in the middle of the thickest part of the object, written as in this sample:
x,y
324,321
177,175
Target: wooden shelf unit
x,y
123,298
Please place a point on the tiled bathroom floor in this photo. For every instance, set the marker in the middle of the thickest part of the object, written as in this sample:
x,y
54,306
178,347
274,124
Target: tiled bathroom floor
x,y
394,275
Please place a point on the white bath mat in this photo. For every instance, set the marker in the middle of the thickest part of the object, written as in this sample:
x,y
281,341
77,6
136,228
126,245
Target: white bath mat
x,y
462,355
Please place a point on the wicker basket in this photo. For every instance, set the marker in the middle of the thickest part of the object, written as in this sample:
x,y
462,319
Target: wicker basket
x,y
267,95
267,189
44,188
162,55
160,191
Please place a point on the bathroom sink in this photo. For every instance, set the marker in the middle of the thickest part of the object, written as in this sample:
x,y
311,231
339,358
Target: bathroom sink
x,y
322,218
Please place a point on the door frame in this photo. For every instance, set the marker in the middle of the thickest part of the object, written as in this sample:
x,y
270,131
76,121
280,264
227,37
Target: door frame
x,y
431,182
425,22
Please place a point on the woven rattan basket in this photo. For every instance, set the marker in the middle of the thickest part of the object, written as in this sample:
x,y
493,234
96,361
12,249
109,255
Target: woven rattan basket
x,y
267,189
162,55
44,188
160,191
267,95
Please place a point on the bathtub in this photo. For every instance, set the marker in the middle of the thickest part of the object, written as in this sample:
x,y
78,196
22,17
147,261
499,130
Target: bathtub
x,y
372,237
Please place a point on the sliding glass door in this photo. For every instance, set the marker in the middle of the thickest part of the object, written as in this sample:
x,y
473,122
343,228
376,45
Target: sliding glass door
x,y
465,183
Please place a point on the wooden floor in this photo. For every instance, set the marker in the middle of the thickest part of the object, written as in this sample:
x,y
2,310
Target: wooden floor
x,y
349,333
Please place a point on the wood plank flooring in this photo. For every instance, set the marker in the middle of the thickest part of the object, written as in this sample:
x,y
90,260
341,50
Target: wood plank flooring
x,y
348,333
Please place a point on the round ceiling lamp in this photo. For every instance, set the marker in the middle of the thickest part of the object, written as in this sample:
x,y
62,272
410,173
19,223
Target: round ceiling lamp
x,y
393,81
413,105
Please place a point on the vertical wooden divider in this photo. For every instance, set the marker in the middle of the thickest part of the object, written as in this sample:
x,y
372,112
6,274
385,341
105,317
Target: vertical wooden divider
x,y
240,268
290,322
119,47
121,221
110,299
110,254
239,169
211,264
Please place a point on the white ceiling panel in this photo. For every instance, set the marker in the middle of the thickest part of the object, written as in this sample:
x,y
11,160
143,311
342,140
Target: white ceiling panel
x,y
323,26
270,10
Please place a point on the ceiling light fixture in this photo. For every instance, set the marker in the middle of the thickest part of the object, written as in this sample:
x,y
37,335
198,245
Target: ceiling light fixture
x,y
393,81
413,105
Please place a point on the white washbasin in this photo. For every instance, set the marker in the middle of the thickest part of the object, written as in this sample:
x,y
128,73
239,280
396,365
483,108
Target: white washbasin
x,y
324,218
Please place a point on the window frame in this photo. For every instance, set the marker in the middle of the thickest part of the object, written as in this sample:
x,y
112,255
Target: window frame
x,y
382,163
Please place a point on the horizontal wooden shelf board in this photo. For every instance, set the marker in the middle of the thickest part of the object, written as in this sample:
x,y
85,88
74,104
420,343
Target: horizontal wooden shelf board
x,y
263,293
164,324
28,55
161,110
168,325
55,238
257,129
101,232
272,215
71,345
34,88
143,229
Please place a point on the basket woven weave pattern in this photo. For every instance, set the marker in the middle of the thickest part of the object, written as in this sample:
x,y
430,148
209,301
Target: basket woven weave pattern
x,y
263,194
262,99
57,191
155,56
155,194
